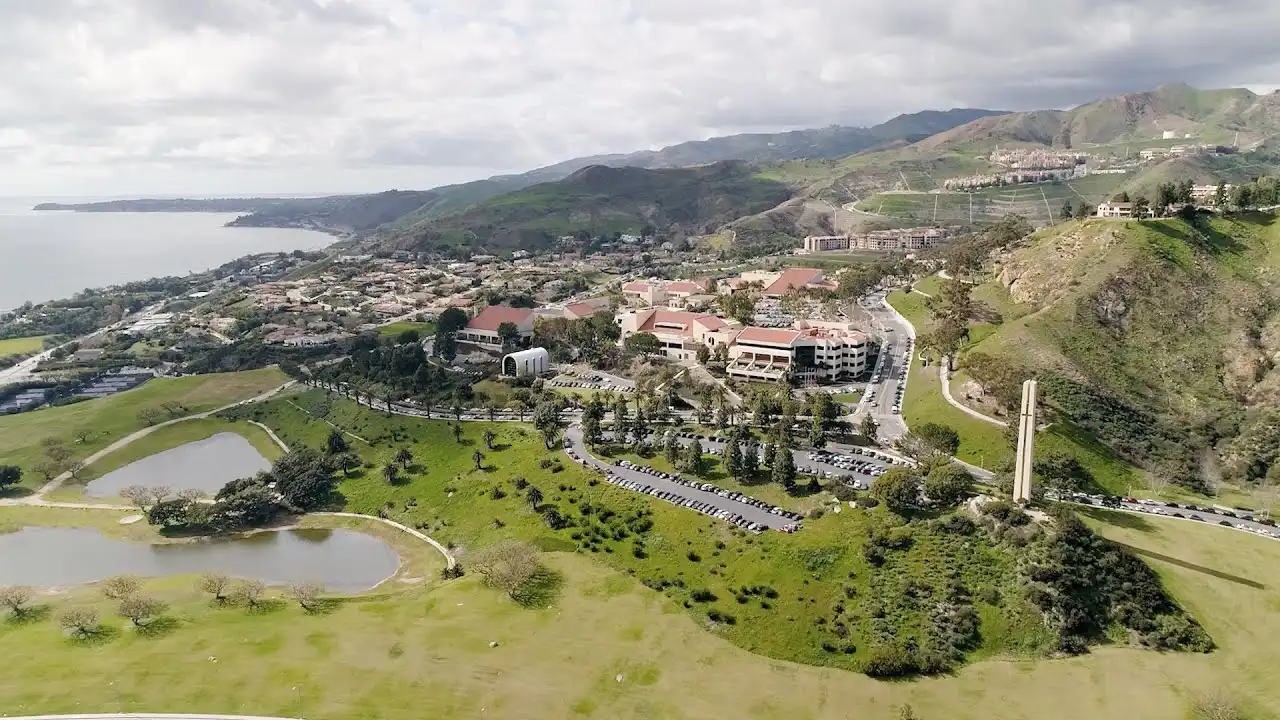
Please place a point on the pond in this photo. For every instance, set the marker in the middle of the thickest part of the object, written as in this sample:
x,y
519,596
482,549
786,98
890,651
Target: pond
x,y
201,465
343,560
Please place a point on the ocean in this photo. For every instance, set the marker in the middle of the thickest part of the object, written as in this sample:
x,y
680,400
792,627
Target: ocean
x,y
52,255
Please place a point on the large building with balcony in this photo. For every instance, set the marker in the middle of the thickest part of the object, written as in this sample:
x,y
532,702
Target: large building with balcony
x,y
808,354
483,328
679,333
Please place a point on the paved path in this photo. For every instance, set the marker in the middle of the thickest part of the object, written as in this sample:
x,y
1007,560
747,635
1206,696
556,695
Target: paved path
x,y
448,556
945,377
271,433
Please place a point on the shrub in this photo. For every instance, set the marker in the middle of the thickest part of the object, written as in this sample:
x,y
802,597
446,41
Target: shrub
x,y
703,596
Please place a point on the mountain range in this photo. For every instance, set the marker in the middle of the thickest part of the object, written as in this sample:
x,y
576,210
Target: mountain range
x,y
700,187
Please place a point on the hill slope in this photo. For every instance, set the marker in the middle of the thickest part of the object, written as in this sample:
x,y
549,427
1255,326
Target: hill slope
x,y
601,199
1160,338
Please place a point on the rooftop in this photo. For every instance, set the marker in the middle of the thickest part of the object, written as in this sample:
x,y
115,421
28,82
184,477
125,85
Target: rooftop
x,y
491,317
794,279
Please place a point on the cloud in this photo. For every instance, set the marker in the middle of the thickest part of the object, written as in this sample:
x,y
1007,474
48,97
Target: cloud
x,y
140,96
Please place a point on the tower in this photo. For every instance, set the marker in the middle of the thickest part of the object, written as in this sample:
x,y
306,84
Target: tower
x,y
1023,464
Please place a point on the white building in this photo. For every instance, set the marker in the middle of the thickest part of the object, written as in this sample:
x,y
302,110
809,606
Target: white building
x,y
531,362
809,354
1115,210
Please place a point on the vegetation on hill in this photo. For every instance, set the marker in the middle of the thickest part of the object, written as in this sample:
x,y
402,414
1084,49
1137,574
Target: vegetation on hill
x,y
600,200
1156,337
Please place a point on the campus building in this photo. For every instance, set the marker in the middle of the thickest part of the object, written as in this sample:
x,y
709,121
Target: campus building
x,y
809,354
919,238
527,363
778,284
679,333
483,328
674,293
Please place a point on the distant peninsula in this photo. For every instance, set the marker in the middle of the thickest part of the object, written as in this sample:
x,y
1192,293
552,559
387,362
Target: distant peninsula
x,y
212,205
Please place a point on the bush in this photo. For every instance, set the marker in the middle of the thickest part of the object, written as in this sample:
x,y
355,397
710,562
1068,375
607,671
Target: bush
x,y
703,596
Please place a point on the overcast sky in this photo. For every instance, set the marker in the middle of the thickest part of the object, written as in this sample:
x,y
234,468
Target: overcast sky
x,y
131,97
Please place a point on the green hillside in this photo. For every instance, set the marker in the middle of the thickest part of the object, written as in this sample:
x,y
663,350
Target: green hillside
x,y
600,199
1158,338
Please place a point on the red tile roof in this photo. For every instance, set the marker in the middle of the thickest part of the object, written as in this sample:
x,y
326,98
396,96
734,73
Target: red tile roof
x,y
768,335
711,322
793,279
676,317
636,287
581,309
685,286
491,317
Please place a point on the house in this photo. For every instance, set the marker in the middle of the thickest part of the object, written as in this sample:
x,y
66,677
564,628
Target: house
x,y
646,294
483,328
1115,210
586,308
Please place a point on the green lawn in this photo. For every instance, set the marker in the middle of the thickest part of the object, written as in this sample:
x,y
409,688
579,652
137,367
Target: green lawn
x,y
444,494
109,419
611,648
21,346
424,329
849,398
167,438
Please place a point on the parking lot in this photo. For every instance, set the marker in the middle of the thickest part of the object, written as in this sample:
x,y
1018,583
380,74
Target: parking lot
x,y
1233,518
856,466
742,510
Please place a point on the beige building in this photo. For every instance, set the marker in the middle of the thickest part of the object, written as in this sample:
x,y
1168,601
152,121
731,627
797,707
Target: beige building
x,y
808,354
483,328
680,333
1115,210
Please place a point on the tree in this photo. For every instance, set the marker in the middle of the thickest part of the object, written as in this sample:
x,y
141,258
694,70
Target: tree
x,y
141,610
506,565
336,443
49,470
1058,471
1066,210
306,594
80,622
898,488
457,432
591,432
478,458
868,427
1141,206
642,343
404,456
10,475
169,513
56,451
509,334
762,410
489,437
784,465
671,449
347,462
931,438
535,497
215,584
1120,197
1084,210
948,484
391,473
1220,195
120,587
16,598
304,479
703,354
249,593
733,458
817,432
692,458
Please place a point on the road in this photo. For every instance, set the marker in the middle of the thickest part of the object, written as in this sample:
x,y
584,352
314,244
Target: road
x,y
23,371
891,367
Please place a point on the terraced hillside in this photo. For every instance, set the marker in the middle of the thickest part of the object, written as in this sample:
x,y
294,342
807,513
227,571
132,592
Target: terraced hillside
x,y
1159,338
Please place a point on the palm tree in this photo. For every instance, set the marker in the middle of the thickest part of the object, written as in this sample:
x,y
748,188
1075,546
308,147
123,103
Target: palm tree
x,y
520,406
390,473
404,456
426,404
493,411
488,438
387,400
348,462
535,497
457,412
457,432
477,457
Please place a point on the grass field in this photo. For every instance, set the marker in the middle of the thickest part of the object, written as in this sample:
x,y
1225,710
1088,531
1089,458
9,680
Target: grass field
x,y
21,346
1040,203
109,419
424,329
163,439
611,648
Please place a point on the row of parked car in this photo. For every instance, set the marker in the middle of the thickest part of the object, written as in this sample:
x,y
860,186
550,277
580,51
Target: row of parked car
x,y
702,507
1185,511
714,490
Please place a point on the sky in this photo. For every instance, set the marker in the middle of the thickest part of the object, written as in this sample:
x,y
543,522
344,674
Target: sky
x,y
239,97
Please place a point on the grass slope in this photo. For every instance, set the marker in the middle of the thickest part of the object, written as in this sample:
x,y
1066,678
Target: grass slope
x,y
109,419
610,648
21,346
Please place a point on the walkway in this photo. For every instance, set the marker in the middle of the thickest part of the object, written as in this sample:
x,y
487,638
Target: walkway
x,y
945,377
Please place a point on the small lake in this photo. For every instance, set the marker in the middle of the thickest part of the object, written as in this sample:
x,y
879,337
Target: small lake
x,y
343,560
201,465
